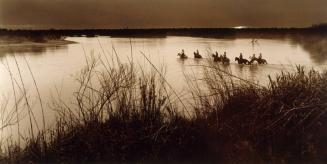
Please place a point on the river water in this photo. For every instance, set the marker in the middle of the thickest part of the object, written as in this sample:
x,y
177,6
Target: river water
x,y
56,66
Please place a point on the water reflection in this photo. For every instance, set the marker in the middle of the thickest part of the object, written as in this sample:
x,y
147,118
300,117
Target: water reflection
x,y
181,61
315,45
30,49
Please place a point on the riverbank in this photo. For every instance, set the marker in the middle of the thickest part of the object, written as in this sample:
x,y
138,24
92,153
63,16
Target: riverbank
x,y
35,45
133,117
319,29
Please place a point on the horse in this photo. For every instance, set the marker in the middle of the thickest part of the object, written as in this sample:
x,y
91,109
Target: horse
x,y
182,56
261,61
197,55
225,60
216,58
253,59
241,61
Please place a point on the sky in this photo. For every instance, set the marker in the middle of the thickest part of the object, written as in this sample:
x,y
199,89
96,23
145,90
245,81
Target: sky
x,y
160,13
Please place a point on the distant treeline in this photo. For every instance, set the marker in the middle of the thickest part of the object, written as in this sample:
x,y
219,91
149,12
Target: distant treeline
x,y
161,32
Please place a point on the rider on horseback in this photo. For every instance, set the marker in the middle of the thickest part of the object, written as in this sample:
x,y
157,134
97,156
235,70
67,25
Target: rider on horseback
x,y
215,57
224,57
241,56
221,56
183,53
253,58
261,60
197,54
260,56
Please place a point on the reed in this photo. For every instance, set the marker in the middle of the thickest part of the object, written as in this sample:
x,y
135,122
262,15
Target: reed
x,y
276,123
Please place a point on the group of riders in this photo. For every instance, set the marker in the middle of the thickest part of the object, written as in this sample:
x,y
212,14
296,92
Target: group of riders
x,y
225,60
253,58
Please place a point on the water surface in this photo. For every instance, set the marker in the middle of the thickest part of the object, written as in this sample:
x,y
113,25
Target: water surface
x,y
56,66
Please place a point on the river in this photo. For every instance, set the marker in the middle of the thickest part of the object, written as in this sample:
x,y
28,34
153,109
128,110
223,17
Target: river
x,y
55,67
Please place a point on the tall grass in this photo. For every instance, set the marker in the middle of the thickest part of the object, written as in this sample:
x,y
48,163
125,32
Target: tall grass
x,y
283,122
123,114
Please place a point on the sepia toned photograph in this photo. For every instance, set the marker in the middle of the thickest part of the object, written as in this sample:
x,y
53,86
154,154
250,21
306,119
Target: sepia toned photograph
x,y
163,81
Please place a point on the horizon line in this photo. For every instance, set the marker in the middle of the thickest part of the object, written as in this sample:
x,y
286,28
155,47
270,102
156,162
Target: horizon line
x,y
159,28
